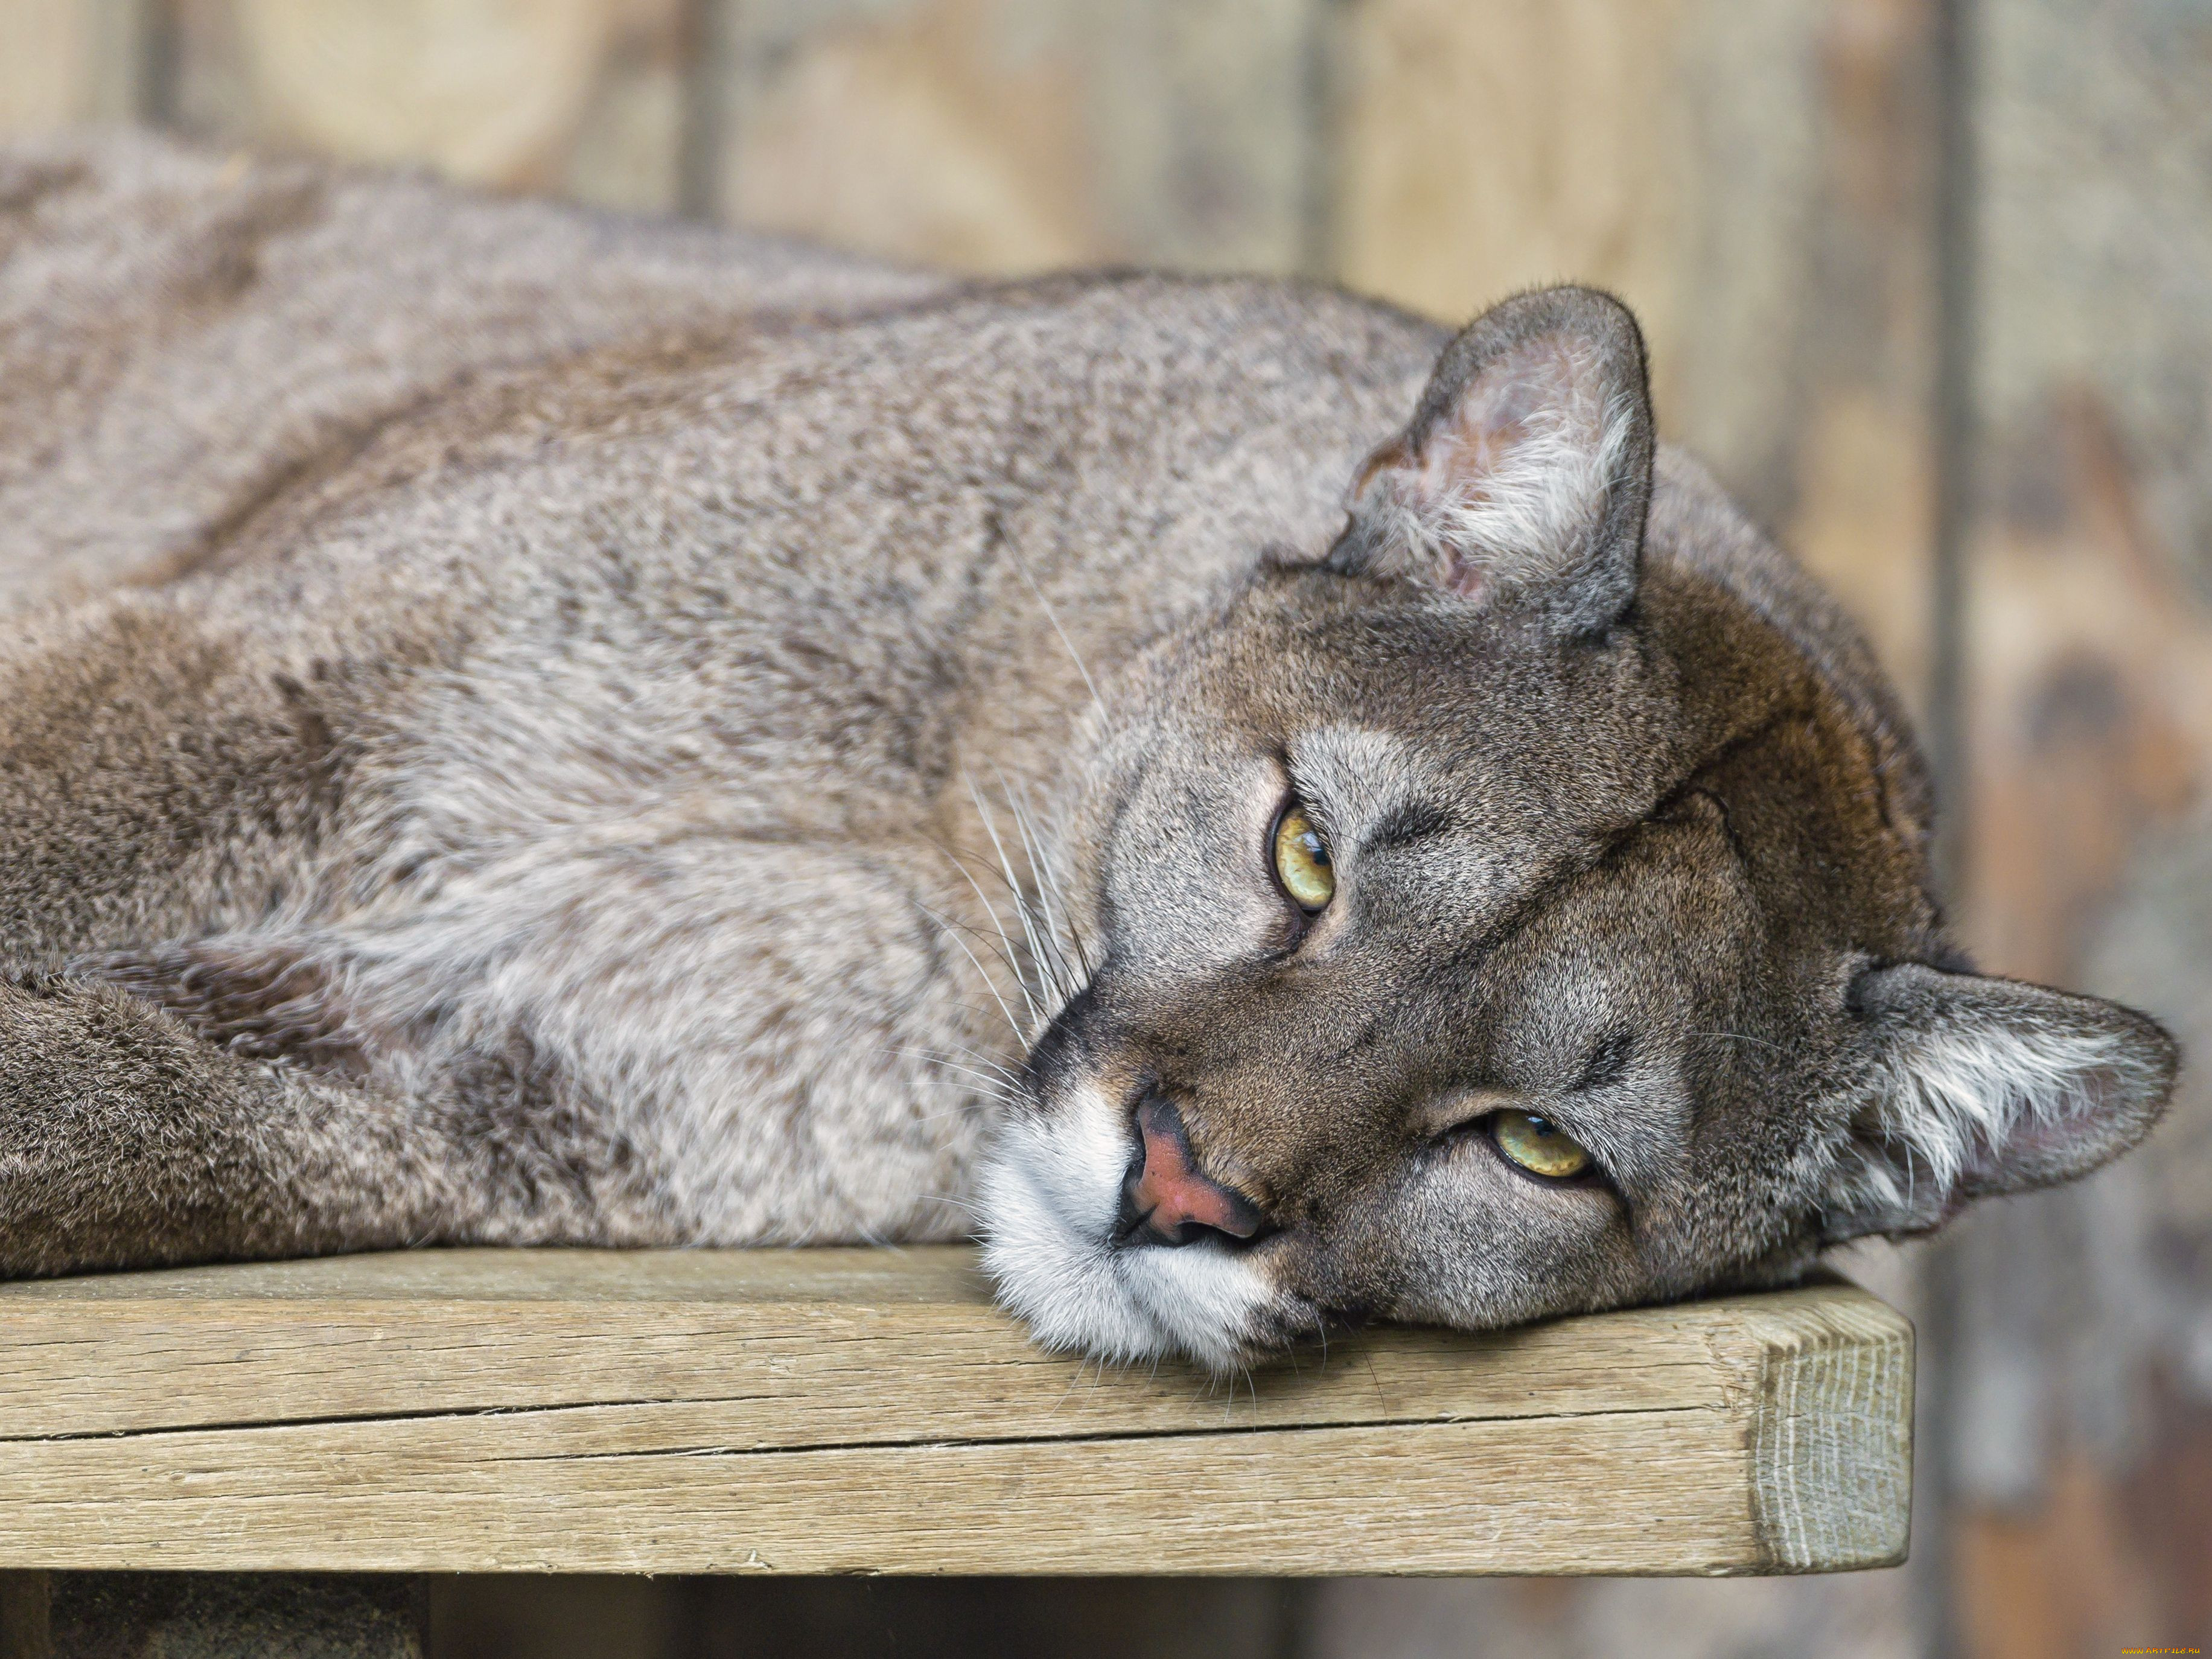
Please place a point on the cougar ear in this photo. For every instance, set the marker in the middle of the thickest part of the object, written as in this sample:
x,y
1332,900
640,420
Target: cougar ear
x,y
1523,476
1976,1086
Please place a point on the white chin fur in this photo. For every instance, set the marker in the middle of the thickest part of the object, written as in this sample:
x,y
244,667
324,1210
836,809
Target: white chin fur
x,y
1050,1193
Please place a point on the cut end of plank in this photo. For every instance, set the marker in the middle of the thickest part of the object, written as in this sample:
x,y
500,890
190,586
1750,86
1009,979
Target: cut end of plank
x,y
1832,1435
850,1411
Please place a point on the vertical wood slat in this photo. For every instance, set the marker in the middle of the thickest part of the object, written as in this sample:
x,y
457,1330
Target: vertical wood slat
x,y
586,98
989,135
63,62
2083,1419
27,1630
1010,136
1758,182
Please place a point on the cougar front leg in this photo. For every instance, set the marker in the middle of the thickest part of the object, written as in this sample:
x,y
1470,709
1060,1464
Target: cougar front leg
x,y
126,1140
158,774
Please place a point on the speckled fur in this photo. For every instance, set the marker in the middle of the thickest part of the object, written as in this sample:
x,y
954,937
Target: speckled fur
x,y
517,726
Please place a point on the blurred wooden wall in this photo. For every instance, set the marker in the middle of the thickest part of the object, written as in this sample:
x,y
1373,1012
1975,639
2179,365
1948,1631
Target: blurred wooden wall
x,y
1929,281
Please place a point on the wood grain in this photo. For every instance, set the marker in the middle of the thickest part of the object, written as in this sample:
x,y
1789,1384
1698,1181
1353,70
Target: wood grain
x,y
857,1410
1008,135
584,97
1758,182
63,62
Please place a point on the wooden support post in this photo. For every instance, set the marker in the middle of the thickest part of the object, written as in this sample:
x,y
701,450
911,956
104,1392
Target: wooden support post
x,y
26,1615
180,1615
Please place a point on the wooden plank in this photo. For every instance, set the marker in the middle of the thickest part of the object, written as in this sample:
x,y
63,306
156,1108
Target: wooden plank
x,y
1645,1492
1758,182
585,97
1008,135
850,1411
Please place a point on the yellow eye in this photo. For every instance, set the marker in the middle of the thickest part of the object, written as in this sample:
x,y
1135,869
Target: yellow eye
x,y
1536,1146
1302,861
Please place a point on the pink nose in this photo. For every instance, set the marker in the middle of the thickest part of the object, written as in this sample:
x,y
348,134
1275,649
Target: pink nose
x,y
1165,1200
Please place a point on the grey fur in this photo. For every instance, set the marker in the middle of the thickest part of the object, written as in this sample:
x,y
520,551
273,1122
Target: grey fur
x,y
522,726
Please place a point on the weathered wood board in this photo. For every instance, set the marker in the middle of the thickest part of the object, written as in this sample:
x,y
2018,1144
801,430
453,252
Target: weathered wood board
x,y
1009,136
589,98
1758,182
842,1411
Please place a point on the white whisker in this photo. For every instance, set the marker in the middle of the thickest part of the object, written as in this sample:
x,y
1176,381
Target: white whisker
x,y
1739,1036
1052,616
1021,910
1049,898
1020,1035
992,911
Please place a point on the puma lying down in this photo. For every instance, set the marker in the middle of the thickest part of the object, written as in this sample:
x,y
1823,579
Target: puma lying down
x,y
523,727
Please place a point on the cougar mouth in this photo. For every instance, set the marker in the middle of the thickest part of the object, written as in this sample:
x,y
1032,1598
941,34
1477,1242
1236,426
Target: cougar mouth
x,y
1055,1193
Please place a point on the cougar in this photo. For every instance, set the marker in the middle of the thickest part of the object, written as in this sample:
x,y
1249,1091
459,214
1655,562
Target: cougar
x,y
524,727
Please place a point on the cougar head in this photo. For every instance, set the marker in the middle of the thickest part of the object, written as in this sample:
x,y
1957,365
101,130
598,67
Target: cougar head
x,y
1520,907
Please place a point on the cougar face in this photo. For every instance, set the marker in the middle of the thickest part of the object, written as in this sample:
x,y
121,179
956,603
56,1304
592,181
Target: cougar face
x,y
1518,908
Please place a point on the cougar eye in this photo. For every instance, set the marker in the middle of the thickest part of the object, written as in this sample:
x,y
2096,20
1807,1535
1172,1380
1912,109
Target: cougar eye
x,y
1536,1146
1302,861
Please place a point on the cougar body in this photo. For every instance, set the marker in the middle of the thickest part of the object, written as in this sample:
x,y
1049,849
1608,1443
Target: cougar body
x,y
522,726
